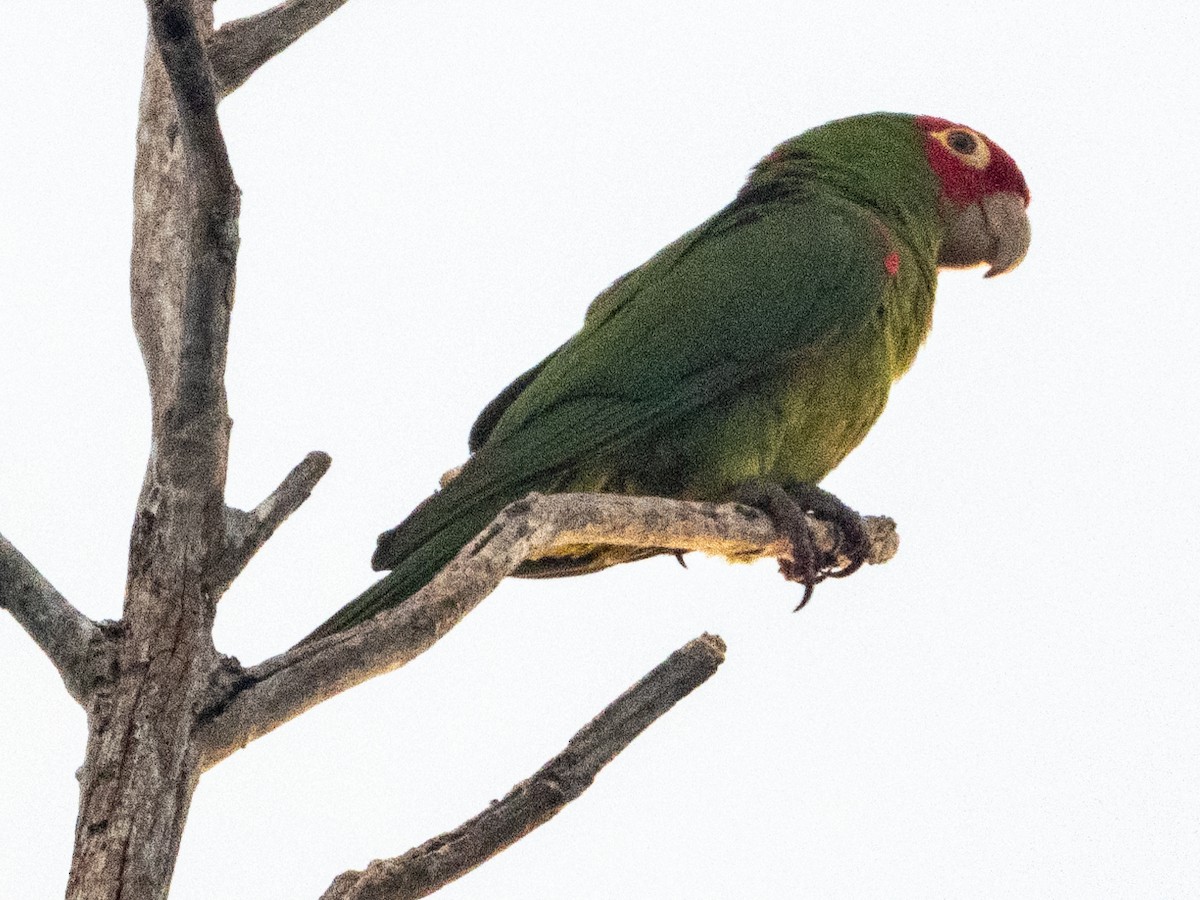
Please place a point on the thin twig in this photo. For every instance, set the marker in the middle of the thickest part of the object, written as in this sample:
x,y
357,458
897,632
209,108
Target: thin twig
x,y
240,47
246,532
258,700
65,634
425,869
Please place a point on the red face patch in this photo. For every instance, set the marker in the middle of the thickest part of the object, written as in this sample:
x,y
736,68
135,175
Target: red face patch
x,y
967,163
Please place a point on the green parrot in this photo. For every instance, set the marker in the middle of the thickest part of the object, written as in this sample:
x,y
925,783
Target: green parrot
x,y
743,361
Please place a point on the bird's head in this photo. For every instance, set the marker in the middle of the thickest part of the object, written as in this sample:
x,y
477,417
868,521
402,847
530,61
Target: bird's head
x,y
983,199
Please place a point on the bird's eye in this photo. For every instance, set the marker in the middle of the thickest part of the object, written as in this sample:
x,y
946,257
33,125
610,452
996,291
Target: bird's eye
x,y
967,146
962,141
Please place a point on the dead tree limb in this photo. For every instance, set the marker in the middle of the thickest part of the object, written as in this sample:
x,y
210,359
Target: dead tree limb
x,y
141,768
241,47
255,701
533,802
65,634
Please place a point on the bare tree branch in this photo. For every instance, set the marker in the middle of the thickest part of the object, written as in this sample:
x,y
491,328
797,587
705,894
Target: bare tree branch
x,y
140,769
246,532
65,634
209,294
255,701
425,869
241,47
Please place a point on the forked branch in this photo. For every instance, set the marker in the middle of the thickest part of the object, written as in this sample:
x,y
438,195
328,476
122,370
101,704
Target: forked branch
x,y
246,532
425,869
140,767
258,700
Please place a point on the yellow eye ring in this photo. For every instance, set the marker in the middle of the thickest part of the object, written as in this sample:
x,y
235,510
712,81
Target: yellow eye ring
x,y
966,145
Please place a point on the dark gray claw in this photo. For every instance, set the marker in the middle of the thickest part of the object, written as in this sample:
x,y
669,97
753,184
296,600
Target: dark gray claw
x,y
788,509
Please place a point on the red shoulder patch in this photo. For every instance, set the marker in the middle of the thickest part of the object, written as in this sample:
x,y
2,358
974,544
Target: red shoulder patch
x,y
891,263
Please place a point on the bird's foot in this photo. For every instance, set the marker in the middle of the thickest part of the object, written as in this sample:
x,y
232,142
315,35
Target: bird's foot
x,y
789,509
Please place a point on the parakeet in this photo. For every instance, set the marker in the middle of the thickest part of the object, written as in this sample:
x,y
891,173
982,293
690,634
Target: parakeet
x,y
746,359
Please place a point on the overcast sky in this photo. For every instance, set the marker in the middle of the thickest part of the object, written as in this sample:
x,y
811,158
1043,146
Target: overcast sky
x,y
433,192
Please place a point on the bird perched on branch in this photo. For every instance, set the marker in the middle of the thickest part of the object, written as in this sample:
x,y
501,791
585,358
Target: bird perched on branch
x,y
746,359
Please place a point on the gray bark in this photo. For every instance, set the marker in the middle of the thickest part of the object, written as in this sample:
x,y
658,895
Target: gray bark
x,y
74,643
141,764
241,46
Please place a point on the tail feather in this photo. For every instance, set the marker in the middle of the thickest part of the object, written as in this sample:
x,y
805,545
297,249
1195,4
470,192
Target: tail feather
x,y
421,546
412,574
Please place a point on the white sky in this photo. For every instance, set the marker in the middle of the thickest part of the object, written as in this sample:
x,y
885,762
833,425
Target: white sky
x,y
432,194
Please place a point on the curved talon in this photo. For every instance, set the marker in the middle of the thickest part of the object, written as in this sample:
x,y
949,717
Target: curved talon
x,y
788,509
808,592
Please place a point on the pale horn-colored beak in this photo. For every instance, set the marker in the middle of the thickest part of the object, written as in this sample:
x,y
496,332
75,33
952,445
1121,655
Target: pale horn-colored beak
x,y
994,230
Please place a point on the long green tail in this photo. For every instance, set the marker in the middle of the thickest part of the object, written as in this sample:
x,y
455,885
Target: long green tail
x,y
410,576
420,546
